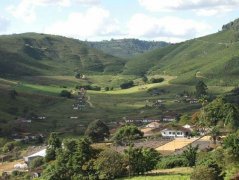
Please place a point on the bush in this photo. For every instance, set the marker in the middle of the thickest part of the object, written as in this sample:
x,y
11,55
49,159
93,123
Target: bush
x,y
107,88
127,85
65,93
156,80
171,162
89,87
37,162
203,172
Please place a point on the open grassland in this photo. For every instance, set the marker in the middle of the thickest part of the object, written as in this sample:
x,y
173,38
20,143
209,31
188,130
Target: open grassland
x,y
182,173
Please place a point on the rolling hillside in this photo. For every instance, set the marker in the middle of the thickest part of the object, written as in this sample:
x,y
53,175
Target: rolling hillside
x,y
126,48
214,58
40,54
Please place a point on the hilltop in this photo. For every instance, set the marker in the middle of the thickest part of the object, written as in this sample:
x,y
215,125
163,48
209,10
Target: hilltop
x,y
126,48
214,58
40,54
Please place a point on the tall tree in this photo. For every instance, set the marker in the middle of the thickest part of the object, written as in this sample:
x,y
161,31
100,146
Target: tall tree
x,y
141,160
201,88
191,154
126,134
215,133
54,143
97,131
110,164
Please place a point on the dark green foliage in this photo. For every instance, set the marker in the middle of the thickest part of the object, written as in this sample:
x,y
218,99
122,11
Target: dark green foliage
x,y
172,162
37,162
127,85
107,88
204,173
13,94
126,134
65,93
190,155
97,131
126,47
54,144
215,133
110,164
141,160
156,80
89,87
231,144
201,89
72,162
219,110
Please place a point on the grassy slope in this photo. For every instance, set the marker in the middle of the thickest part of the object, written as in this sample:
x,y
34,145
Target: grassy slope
x,y
39,54
43,100
214,58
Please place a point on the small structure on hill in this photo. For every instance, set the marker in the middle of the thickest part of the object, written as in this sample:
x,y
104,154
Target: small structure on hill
x,y
153,125
41,153
175,132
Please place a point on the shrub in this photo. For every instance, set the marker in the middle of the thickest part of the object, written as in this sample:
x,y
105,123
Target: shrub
x,y
65,93
127,85
37,162
171,162
202,173
156,80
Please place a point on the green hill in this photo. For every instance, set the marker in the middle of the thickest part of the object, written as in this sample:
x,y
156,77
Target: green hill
x,y
214,58
40,54
126,48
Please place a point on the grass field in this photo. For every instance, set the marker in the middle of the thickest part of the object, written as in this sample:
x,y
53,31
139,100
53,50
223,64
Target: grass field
x,y
182,173
40,95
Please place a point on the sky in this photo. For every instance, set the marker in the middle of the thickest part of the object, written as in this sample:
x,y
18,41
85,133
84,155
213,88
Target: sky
x,y
95,20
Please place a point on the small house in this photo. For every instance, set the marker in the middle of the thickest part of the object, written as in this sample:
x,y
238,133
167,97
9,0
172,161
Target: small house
x,y
153,125
175,132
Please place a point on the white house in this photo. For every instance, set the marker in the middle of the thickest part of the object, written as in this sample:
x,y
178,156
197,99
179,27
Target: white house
x,y
41,153
170,132
169,118
153,125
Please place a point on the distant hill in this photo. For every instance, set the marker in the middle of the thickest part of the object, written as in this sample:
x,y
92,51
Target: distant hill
x,y
213,58
41,54
126,48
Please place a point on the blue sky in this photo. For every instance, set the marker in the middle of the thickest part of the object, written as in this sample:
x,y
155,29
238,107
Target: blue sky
x,y
167,20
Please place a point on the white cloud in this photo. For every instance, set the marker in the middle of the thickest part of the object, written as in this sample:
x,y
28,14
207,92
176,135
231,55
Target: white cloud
x,y
4,24
93,22
201,7
172,29
26,9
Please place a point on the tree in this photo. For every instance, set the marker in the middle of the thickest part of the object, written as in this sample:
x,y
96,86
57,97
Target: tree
x,y
110,164
13,93
231,144
141,160
191,154
127,85
201,89
126,134
97,131
65,93
203,173
54,144
144,79
72,162
37,162
215,133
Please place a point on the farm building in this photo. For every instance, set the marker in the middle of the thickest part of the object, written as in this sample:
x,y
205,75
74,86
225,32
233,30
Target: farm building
x,y
169,118
153,125
175,132
41,153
